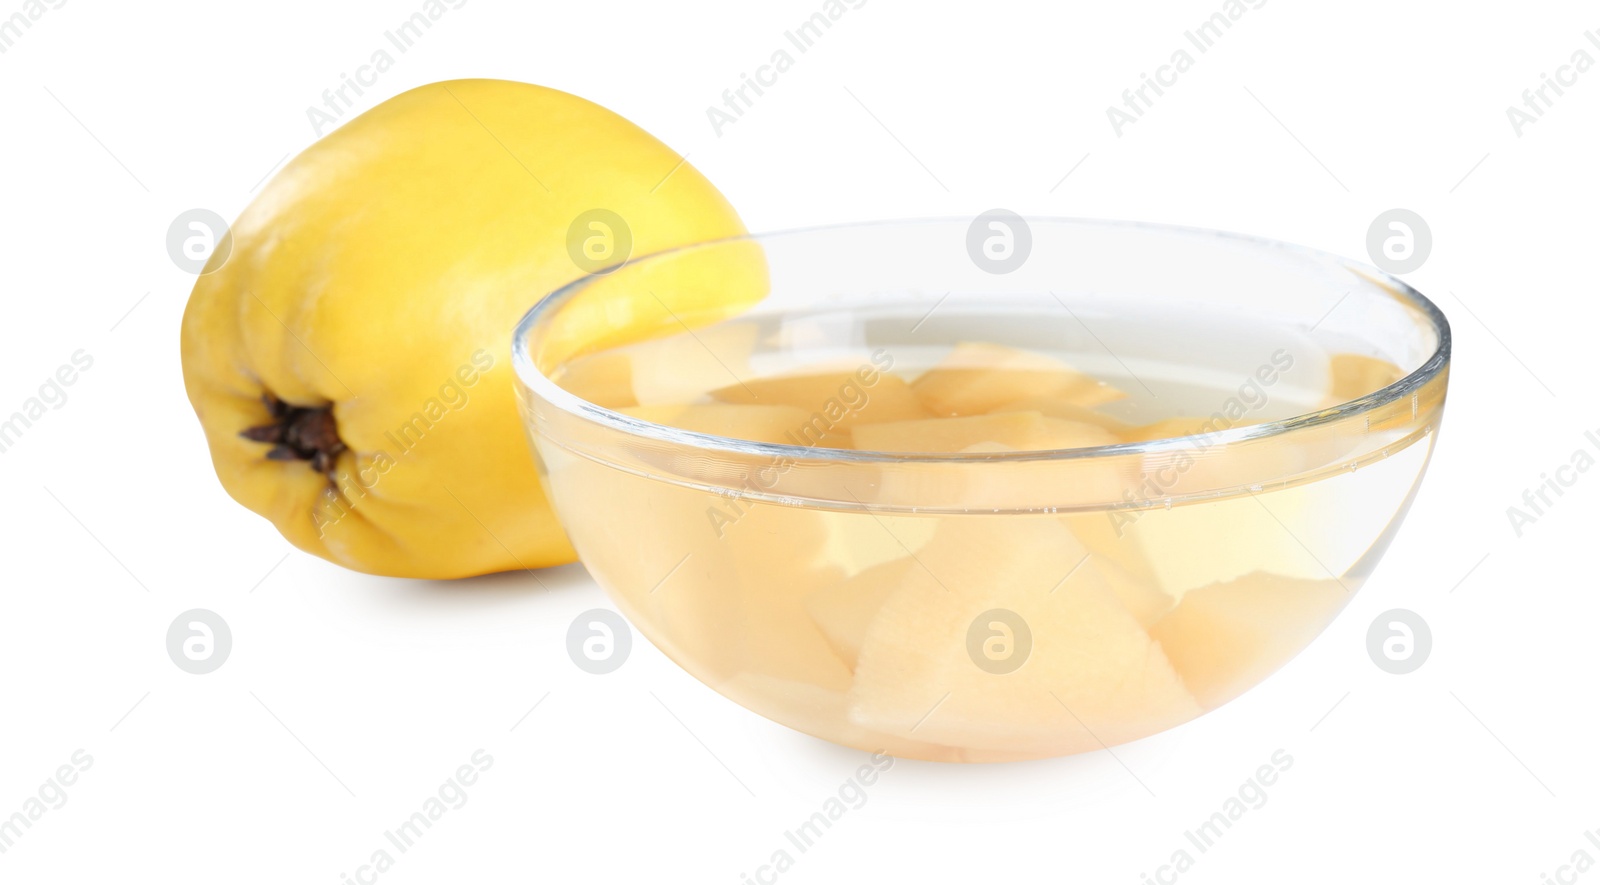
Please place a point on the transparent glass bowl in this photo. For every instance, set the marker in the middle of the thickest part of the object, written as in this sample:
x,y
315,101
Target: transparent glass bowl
x,y
1004,601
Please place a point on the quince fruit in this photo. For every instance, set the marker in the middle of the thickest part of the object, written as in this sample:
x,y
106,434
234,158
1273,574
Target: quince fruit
x,y
349,359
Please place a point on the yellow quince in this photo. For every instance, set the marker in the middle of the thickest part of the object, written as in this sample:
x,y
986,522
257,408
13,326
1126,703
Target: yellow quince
x,y
349,357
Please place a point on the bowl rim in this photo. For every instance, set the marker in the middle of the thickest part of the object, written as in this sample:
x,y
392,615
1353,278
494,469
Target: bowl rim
x,y
572,404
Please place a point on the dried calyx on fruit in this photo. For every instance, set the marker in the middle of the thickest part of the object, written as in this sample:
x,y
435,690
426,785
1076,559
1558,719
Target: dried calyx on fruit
x,y
303,434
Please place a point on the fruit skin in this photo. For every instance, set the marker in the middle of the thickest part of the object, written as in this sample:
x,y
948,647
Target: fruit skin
x,y
383,267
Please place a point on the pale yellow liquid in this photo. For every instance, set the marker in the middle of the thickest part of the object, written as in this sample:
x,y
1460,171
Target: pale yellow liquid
x,y
857,625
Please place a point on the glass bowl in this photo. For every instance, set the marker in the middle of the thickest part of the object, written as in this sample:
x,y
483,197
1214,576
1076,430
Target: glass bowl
x,y
983,490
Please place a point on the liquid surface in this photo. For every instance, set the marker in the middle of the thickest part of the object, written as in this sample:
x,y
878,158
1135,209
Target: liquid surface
x,y
1126,382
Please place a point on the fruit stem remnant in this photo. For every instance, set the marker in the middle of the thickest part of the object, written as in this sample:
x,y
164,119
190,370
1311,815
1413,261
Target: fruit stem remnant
x,y
300,434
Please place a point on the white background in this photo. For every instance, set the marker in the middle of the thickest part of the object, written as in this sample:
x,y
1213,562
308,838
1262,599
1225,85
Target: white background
x,y
348,699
